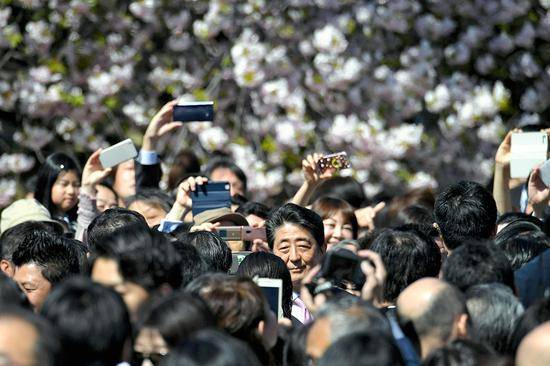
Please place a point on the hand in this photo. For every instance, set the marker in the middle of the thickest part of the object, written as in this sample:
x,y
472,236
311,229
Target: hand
x,y
311,174
538,192
207,226
160,125
183,197
365,216
93,172
312,303
373,289
503,154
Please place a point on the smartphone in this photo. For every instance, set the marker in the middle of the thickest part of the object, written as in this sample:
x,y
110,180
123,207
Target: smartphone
x,y
193,112
545,173
118,153
243,233
528,149
237,258
273,291
210,196
341,266
337,161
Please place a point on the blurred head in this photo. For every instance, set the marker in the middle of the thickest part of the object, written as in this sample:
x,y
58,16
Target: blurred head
x,y
125,179
408,255
11,295
461,352
58,184
211,248
109,222
185,164
42,261
153,204
267,265
91,320
344,188
534,349
106,197
27,339
256,213
521,241
241,309
213,348
465,211
192,265
295,234
339,220
363,349
476,263
170,320
435,310
533,316
340,317
493,311
224,170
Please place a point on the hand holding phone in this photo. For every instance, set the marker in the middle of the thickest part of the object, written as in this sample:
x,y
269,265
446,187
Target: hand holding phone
x,y
116,154
273,291
337,161
241,233
210,196
193,111
528,149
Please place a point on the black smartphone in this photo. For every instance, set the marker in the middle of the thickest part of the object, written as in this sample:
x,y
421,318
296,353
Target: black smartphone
x,y
210,196
193,112
341,266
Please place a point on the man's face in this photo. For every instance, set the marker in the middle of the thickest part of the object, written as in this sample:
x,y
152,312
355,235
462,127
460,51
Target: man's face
x,y
153,215
31,281
105,271
226,175
125,180
17,342
298,249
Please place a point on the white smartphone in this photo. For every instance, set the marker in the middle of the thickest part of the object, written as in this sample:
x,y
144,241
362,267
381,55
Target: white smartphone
x,y
118,153
273,291
545,173
528,150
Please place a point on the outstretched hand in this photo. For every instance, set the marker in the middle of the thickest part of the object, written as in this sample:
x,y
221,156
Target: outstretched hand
x,y
311,173
160,125
504,153
366,215
93,172
375,273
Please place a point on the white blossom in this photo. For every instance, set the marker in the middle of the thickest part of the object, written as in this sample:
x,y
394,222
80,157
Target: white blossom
x,y
330,39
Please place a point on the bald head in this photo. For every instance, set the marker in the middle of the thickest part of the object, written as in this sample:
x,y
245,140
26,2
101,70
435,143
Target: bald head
x,y
534,350
437,311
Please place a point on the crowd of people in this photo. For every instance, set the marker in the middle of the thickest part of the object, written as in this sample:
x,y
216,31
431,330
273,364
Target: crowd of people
x,y
103,267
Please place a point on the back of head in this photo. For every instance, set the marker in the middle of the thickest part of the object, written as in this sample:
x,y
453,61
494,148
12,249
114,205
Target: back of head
x,y
344,188
533,316
212,249
109,222
254,208
213,348
534,349
475,263
465,211
56,256
461,352
91,320
408,255
520,247
178,316
493,311
350,315
363,349
192,265
268,265
296,215
37,341
14,236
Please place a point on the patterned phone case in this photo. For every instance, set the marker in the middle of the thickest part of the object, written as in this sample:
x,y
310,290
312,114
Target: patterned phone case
x,y
337,161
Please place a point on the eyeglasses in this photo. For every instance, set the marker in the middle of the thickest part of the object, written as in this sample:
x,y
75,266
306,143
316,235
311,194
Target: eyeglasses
x,y
155,358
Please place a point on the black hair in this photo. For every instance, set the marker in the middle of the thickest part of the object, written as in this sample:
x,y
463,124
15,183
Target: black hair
x,y
465,211
109,222
416,215
192,265
14,236
146,258
47,348
205,280
297,215
344,188
213,348
153,197
91,320
177,316
363,349
269,265
533,316
460,352
238,199
11,294
294,352
475,263
493,310
408,255
46,177
226,163
521,247
55,255
212,249
510,217
254,208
